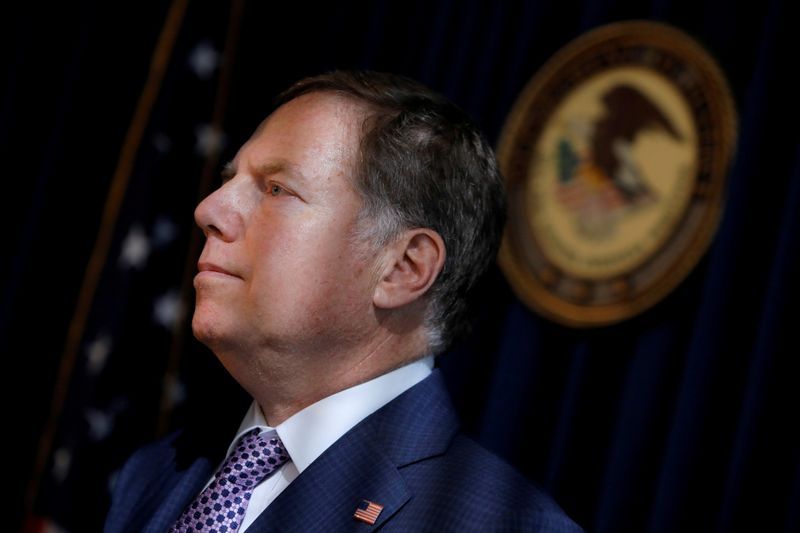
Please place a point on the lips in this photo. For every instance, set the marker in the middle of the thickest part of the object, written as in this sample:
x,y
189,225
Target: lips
x,y
205,266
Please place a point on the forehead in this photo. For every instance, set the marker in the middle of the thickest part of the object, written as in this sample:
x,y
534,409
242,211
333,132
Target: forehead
x,y
314,133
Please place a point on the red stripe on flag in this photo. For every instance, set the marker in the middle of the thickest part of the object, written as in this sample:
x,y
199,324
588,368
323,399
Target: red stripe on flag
x,y
368,512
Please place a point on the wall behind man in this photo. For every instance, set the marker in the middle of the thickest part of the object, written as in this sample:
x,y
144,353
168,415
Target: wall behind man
x,y
116,118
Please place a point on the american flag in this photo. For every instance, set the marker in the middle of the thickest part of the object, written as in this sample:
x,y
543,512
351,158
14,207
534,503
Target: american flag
x,y
123,381
368,511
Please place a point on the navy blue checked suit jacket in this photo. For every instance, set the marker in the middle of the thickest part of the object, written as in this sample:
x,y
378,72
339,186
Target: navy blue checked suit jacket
x,y
408,456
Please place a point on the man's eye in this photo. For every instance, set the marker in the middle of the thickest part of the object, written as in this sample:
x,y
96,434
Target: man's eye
x,y
275,190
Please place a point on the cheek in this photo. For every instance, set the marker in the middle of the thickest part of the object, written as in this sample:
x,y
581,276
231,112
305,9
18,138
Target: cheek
x,y
282,267
303,258
301,242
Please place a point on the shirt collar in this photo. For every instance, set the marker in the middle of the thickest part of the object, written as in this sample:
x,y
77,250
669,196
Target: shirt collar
x,y
311,431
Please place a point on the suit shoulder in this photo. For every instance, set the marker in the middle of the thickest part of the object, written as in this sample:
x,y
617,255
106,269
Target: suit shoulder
x,y
477,490
150,456
137,483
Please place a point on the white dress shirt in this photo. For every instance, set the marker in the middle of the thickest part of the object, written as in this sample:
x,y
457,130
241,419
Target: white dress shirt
x,y
309,432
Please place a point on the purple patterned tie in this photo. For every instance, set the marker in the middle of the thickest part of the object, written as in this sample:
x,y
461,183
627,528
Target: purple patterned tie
x,y
220,507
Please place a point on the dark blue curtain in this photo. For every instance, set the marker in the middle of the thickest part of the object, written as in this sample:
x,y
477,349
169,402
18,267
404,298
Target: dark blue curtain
x,y
116,119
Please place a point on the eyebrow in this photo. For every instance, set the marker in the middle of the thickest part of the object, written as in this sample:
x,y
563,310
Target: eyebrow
x,y
268,169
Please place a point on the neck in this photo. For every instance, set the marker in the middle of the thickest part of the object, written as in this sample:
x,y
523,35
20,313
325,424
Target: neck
x,y
284,382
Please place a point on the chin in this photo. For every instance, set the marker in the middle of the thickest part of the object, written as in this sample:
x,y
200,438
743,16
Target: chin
x,y
207,330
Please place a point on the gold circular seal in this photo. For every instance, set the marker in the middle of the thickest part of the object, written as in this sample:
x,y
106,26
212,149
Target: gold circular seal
x,y
615,156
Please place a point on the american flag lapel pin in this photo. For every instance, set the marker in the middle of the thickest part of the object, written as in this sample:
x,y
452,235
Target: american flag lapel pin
x,y
368,511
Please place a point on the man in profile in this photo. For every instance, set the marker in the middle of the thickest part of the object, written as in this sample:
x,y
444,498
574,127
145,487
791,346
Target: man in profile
x,y
340,250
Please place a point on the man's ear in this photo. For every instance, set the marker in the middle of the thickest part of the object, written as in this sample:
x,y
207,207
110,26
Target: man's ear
x,y
412,264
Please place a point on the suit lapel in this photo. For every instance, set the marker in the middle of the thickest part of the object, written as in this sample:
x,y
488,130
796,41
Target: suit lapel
x,y
177,493
364,465
192,459
325,496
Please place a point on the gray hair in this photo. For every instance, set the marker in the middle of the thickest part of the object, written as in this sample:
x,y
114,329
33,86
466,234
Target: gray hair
x,y
424,164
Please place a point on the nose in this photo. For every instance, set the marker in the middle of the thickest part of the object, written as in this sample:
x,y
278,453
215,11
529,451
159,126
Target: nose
x,y
218,216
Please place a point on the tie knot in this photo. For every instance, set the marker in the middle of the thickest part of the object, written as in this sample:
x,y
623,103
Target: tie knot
x,y
253,458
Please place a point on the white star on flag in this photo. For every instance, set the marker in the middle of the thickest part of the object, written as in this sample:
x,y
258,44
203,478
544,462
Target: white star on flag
x,y
62,459
135,248
175,390
210,140
112,481
204,60
162,142
168,309
164,232
97,353
100,424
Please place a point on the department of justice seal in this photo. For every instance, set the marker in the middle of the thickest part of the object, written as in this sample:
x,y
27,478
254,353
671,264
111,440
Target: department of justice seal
x,y
615,156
